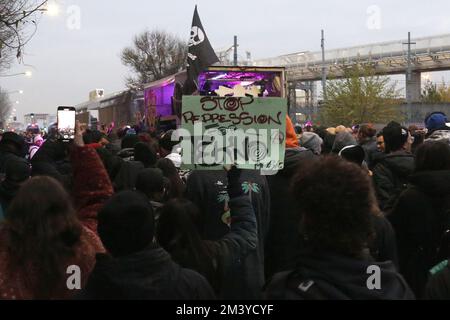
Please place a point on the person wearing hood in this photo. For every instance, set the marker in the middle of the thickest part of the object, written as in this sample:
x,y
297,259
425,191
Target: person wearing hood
x,y
334,262
37,143
312,141
420,217
343,139
12,146
17,171
367,139
438,127
391,174
136,267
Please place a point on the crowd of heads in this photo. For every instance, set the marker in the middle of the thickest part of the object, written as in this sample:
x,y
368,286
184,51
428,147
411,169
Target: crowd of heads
x,y
122,194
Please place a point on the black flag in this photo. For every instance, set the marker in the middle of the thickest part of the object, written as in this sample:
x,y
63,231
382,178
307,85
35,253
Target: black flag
x,y
200,55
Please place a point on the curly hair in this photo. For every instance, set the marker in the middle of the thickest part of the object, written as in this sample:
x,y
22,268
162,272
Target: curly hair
x,y
336,200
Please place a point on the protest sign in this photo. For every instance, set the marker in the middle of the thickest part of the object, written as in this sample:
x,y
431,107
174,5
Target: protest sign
x,y
246,131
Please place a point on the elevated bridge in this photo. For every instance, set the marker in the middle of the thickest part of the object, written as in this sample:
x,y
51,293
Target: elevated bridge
x,y
388,58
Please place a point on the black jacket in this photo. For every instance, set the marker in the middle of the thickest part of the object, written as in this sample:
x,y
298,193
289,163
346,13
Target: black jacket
x,y
283,238
420,219
327,276
390,177
147,275
232,250
208,190
384,245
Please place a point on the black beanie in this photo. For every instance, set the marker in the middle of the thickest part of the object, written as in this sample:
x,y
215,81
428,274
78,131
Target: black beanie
x,y
126,224
395,136
355,154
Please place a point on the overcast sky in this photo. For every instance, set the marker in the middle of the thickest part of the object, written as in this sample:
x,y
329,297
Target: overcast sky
x,y
68,62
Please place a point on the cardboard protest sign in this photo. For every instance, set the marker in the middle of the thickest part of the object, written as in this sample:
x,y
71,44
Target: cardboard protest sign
x,y
246,131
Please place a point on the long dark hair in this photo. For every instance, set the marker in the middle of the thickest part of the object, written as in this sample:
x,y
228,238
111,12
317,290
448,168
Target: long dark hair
x,y
43,231
177,233
177,186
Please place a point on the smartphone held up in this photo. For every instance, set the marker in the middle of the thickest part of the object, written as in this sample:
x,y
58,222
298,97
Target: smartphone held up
x,y
66,123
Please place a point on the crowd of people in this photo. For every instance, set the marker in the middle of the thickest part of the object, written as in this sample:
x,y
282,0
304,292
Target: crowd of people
x,y
117,204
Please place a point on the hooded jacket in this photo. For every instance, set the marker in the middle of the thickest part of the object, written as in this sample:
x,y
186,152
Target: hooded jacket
x,y
147,275
343,139
371,152
390,177
282,239
420,218
328,276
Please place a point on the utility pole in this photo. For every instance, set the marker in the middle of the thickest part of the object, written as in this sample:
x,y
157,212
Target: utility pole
x,y
324,72
409,76
235,61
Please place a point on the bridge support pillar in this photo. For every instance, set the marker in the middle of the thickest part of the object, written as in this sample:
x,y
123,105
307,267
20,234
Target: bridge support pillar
x,y
413,87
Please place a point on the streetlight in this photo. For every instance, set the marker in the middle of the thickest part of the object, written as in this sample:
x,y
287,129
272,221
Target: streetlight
x,y
27,74
16,91
52,9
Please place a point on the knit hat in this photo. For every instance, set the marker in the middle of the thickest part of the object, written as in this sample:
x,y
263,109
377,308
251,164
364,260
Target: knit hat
x,y
343,139
126,224
353,154
395,136
291,136
38,138
311,141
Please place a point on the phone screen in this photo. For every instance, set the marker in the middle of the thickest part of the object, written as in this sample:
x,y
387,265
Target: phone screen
x,y
66,123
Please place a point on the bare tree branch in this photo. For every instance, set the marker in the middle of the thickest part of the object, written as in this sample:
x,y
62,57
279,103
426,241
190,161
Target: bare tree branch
x,y
153,56
15,18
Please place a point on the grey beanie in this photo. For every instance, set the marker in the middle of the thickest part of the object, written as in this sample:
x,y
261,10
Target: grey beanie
x,y
311,141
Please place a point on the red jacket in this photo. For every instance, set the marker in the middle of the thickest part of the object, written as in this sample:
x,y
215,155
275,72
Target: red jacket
x,y
91,185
